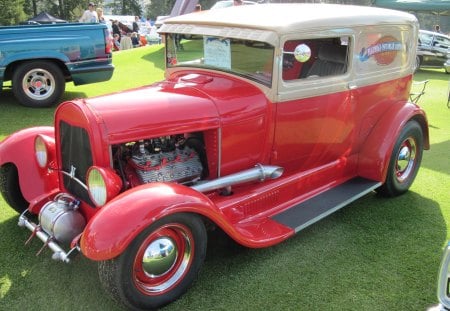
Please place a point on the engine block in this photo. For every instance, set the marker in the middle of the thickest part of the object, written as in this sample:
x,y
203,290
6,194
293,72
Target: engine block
x,y
179,165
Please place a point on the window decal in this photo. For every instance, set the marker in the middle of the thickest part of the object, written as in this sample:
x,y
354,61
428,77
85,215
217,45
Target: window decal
x,y
384,50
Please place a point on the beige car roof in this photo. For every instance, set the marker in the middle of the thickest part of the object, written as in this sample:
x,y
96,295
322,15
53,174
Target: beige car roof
x,y
287,18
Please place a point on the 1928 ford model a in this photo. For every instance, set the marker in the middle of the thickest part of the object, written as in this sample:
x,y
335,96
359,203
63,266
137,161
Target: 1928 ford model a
x,y
269,119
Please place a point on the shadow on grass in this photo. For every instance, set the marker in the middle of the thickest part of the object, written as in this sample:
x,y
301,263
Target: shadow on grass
x,y
156,57
431,74
7,98
30,282
376,254
436,158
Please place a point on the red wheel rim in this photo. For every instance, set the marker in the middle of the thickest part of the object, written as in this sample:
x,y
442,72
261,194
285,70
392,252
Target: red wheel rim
x,y
163,259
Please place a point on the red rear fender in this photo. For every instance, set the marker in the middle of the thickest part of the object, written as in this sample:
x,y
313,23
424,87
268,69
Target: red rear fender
x,y
375,155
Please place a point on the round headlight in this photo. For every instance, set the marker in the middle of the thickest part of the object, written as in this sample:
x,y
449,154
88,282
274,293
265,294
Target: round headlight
x,y
97,187
40,150
103,184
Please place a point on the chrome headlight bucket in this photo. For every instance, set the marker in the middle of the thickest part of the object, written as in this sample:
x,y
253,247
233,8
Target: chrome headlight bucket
x,y
44,150
103,184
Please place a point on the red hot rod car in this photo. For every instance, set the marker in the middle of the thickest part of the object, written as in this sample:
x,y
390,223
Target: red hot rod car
x,y
270,118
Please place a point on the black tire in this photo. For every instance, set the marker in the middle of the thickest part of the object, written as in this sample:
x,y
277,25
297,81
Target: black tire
x,y
417,64
10,189
166,275
38,84
405,161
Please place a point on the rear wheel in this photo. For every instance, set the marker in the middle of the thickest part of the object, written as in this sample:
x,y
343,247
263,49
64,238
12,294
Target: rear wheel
x,y
405,160
38,84
10,189
159,265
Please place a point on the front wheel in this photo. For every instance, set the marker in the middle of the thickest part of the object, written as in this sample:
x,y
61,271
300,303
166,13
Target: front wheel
x,y
159,265
405,161
10,188
38,84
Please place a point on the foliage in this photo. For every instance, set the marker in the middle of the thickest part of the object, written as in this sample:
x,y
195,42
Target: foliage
x,y
126,7
157,8
11,12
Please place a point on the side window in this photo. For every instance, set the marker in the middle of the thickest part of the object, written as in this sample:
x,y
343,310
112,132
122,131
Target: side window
x,y
425,39
441,42
315,58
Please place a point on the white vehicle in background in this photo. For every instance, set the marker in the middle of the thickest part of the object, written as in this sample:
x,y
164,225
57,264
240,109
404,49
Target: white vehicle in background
x,y
433,50
228,3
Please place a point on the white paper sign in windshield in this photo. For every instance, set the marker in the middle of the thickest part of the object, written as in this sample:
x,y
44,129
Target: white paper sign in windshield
x,y
217,52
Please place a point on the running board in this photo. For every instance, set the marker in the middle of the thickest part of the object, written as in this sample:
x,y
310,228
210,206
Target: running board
x,y
308,212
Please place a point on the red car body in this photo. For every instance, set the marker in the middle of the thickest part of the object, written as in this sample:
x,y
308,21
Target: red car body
x,y
267,154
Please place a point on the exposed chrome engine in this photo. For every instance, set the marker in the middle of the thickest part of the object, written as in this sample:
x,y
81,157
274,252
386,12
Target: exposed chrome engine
x,y
162,159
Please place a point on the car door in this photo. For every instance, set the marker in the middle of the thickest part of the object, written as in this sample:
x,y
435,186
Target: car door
x,y
314,124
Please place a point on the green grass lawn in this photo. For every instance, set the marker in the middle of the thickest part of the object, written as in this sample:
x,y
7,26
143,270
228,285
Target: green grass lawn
x,y
376,254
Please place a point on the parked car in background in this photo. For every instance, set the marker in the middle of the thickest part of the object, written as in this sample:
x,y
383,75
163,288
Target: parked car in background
x,y
447,66
433,50
272,118
40,59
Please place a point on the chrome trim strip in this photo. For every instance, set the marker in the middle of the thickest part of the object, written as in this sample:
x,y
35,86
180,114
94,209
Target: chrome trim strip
x,y
74,178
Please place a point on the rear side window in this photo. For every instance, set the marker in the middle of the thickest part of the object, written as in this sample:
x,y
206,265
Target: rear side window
x,y
425,39
441,42
314,58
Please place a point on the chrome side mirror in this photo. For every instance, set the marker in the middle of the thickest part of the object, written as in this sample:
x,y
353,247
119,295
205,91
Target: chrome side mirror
x,y
302,53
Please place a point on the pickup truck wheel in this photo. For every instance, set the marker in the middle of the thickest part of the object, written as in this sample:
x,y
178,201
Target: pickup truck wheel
x,y
417,63
159,265
10,189
405,161
38,84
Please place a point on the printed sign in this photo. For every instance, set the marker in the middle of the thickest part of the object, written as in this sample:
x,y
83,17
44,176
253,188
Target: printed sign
x,y
217,52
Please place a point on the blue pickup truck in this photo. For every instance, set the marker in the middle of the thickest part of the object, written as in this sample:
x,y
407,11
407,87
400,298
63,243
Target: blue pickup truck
x,y
40,59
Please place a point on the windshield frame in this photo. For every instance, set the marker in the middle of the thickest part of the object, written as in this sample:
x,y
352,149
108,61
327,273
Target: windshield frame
x,y
249,59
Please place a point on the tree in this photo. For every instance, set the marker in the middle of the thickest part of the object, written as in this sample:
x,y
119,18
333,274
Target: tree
x,y
125,7
157,8
11,12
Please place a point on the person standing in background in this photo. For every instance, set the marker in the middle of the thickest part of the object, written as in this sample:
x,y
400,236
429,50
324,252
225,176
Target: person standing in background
x,y
101,18
90,15
135,24
116,29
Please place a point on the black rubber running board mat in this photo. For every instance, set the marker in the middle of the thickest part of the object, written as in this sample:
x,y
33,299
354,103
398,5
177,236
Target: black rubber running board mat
x,y
308,212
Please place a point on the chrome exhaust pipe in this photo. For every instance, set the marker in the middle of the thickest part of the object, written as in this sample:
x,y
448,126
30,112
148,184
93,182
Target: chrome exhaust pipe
x,y
259,172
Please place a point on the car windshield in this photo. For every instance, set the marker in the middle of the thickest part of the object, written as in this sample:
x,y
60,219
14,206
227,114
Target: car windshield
x,y
249,59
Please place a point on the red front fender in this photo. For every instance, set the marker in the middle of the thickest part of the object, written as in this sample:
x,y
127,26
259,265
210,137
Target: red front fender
x,y
375,155
18,149
112,229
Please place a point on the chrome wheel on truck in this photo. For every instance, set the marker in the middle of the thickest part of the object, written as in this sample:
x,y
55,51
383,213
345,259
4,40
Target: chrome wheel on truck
x,y
38,84
159,265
